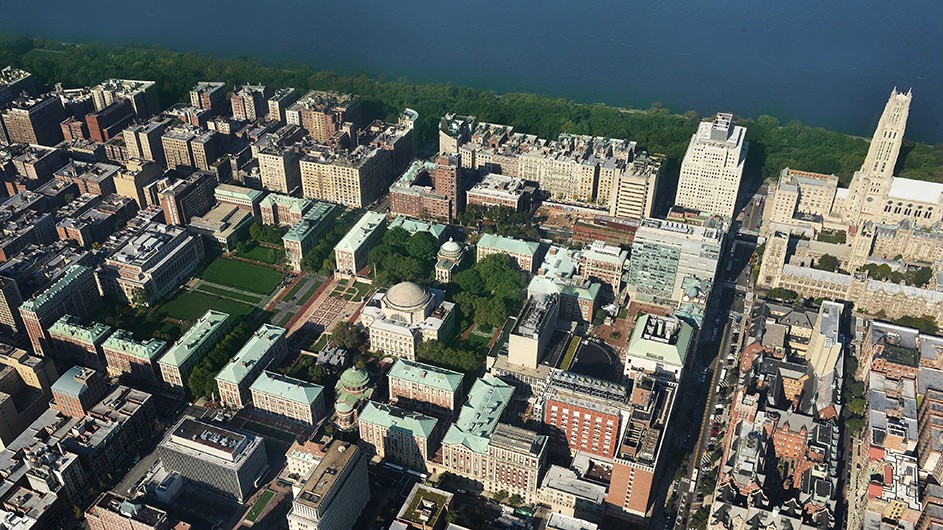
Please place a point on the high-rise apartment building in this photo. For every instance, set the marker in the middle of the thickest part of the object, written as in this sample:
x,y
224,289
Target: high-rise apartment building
x,y
279,169
96,178
208,95
136,175
249,102
34,121
74,293
713,166
359,175
187,198
10,300
633,191
188,147
323,114
13,83
110,121
144,140
141,94
279,102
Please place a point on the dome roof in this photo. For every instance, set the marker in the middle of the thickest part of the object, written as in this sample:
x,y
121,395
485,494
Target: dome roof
x,y
407,295
450,247
354,378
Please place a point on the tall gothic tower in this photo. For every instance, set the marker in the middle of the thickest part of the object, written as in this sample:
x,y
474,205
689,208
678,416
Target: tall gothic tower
x,y
871,183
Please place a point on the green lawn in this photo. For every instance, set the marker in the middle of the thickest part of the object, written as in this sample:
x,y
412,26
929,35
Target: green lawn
x,y
242,275
478,342
294,290
243,297
263,254
570,353
191,306
309,293
259,505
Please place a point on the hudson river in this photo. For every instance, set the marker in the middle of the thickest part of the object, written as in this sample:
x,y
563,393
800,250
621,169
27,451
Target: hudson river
x,y
829,64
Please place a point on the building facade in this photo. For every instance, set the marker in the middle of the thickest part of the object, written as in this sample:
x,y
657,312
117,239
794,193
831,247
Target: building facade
x,y
713,166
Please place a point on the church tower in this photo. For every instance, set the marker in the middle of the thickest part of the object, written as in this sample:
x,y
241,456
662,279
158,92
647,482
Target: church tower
x,y
871,183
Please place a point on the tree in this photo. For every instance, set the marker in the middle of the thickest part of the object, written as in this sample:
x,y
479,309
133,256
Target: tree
x,y
348,336
515,500
423,247
922,276
785,295
827,263
500,495
599,317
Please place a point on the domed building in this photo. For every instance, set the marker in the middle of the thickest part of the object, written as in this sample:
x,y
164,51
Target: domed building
x,y
397,320
450,256
353,390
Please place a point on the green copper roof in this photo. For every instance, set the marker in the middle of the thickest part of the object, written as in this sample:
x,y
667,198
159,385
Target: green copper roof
x,y
354,378
237,192
310,223
70,383
670,351
193,339
256,349
365,226
392,417
71,326
480,414
73,273
426,374
414,225
123,341
509,244
289,388
296,205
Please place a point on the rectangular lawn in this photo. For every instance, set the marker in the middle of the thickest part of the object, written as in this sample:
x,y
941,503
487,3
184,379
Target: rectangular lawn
x,y
242,275
259,505
220,291
191,306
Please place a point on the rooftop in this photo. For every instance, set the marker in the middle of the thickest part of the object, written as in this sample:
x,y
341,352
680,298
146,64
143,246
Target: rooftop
x,y
123,341
72,382
288,388
38,302
480,414
393,417
324,477
258,347
194,337
426,374
509,245
664,339
71,327
365,226
414,225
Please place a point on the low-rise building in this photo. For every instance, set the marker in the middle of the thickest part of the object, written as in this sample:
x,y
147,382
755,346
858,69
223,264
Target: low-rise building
x,y
218,460
399,319
305,235
136,358
421,386
246,199
153,263
498,456
224,225
659,345
499,190
283,210
288,398
398,435
114,512
425,508
71,341
351,251
524,253
175,365
266,345
565,492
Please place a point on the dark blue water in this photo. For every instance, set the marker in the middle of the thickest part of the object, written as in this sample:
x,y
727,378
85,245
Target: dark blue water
x,y
830,64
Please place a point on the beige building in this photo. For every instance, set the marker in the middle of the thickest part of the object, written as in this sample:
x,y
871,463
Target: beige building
x,y
279,169
398,435
632,192
359,175
799,202
265,346
175,365
713,166
322,113
494,455
350,253
131,180
406,315
335,493
288,398
420,386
